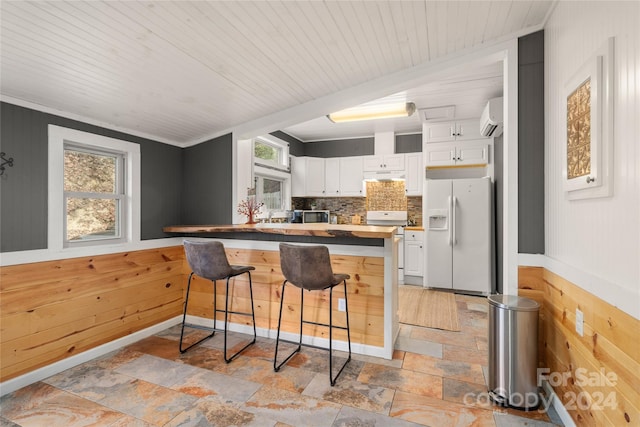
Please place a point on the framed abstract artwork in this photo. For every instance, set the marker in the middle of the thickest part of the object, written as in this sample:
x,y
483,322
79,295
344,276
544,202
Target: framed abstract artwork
x,y
589,127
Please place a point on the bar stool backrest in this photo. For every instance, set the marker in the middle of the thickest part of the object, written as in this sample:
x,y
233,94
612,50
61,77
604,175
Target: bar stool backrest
x,y
307,267
207,259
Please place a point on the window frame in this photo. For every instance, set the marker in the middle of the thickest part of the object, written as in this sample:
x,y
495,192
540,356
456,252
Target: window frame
x,y
59,138
283,153
118,194
284,177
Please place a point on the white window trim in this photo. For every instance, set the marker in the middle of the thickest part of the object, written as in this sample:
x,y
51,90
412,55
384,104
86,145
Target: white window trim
x,y
57,137
282,163
286,187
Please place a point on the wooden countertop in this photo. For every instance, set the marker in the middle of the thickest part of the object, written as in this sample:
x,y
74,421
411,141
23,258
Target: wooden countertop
x,y
319,230
413,228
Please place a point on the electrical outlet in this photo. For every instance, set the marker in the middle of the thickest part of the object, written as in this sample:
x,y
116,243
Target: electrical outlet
x,y
342,305
579,322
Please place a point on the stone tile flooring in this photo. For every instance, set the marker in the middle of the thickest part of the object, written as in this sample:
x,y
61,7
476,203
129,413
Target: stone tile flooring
x,y
436,378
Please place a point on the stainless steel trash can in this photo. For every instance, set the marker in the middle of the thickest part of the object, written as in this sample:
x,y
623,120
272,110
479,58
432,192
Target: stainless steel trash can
x,y
513,351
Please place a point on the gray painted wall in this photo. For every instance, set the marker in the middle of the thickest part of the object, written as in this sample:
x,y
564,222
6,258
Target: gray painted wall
x,y
409,143
531,143
207,192
23,187
347,147
296,147
339,148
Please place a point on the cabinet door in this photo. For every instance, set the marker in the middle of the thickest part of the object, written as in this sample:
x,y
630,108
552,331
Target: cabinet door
x,y
440,154
413,255
394,162
298,175
468,129
350,176
439,132
315,177
472,153
373,163
413,163
332,177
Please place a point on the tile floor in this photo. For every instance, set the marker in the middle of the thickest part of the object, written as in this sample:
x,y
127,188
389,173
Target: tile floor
x,y
436,378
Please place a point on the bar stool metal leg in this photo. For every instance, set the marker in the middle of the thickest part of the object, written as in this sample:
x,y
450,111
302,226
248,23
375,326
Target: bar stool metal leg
x,y
276,366
226,320
333,379
184,318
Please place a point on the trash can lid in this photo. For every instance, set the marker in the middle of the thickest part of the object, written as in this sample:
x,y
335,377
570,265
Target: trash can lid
x,y
513,302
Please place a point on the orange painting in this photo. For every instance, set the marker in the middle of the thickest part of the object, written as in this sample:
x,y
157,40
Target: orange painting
x,y
579,131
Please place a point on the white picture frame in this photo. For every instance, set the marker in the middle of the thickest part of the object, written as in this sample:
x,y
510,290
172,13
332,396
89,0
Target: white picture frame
x,y
587,167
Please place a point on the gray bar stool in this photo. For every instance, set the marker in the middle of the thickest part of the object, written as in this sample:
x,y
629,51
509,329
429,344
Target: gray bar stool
x,y
309,268
209,261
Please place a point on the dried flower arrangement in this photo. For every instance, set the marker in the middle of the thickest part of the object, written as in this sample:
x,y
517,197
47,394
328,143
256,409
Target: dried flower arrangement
x,y
249,207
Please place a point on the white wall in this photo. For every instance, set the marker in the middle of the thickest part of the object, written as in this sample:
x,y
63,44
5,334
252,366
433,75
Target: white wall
x,y
598,238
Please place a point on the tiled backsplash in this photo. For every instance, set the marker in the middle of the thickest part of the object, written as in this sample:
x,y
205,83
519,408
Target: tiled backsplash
x,y
346,207
386,196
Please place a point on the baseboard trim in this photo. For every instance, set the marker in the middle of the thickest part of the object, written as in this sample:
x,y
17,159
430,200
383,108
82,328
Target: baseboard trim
x,y
357,348
57,367
557,405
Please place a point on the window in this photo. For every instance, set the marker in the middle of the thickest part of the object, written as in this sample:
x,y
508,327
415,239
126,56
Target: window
x,y
271,177
271,152
93,194
94,189
270,191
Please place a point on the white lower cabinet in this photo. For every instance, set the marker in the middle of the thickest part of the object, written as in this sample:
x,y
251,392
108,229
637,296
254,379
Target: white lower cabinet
x,y
414,253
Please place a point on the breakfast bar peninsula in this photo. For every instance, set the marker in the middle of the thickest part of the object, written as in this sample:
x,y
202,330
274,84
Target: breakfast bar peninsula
x,y
367,253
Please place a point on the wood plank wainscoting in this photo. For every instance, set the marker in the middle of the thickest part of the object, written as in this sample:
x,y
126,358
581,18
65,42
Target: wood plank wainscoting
x,y
610,345
365,296
53,310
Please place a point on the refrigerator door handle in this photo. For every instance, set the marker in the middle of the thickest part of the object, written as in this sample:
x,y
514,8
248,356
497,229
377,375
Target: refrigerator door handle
x,y
453,221
450,242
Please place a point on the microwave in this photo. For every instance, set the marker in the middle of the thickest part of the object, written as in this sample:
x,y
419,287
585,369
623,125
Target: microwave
x,y
309,217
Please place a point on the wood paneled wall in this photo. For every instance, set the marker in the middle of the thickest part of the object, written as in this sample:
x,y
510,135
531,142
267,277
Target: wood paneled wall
x,y
610,345
53,310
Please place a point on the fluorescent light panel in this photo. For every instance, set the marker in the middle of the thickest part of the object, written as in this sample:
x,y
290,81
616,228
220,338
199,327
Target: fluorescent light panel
x,y
371,112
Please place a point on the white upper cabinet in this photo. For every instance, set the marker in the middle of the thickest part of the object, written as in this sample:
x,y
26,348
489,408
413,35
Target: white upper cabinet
x,y
388,162
413,164
315,177
350,176
457,153
459,130
332,177
298,176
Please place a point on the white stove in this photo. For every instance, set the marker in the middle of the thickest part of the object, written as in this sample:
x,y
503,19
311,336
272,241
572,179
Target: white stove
x,y
399,219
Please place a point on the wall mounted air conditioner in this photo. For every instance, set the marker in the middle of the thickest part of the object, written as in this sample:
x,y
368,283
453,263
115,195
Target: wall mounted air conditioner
x,y
491,118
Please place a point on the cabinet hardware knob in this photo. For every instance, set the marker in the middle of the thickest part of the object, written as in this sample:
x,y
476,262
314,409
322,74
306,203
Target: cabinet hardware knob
x,y
590,180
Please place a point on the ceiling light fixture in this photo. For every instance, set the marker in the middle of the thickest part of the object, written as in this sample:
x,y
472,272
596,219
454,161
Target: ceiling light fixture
x,y
370,112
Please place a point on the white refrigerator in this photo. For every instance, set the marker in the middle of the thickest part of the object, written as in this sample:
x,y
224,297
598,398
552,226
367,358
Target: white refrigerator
x,y
459,235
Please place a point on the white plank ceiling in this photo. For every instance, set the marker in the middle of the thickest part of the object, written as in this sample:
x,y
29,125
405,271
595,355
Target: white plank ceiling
x,y
181,71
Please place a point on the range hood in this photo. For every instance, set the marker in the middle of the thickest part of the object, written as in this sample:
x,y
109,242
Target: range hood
x,y
384,144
